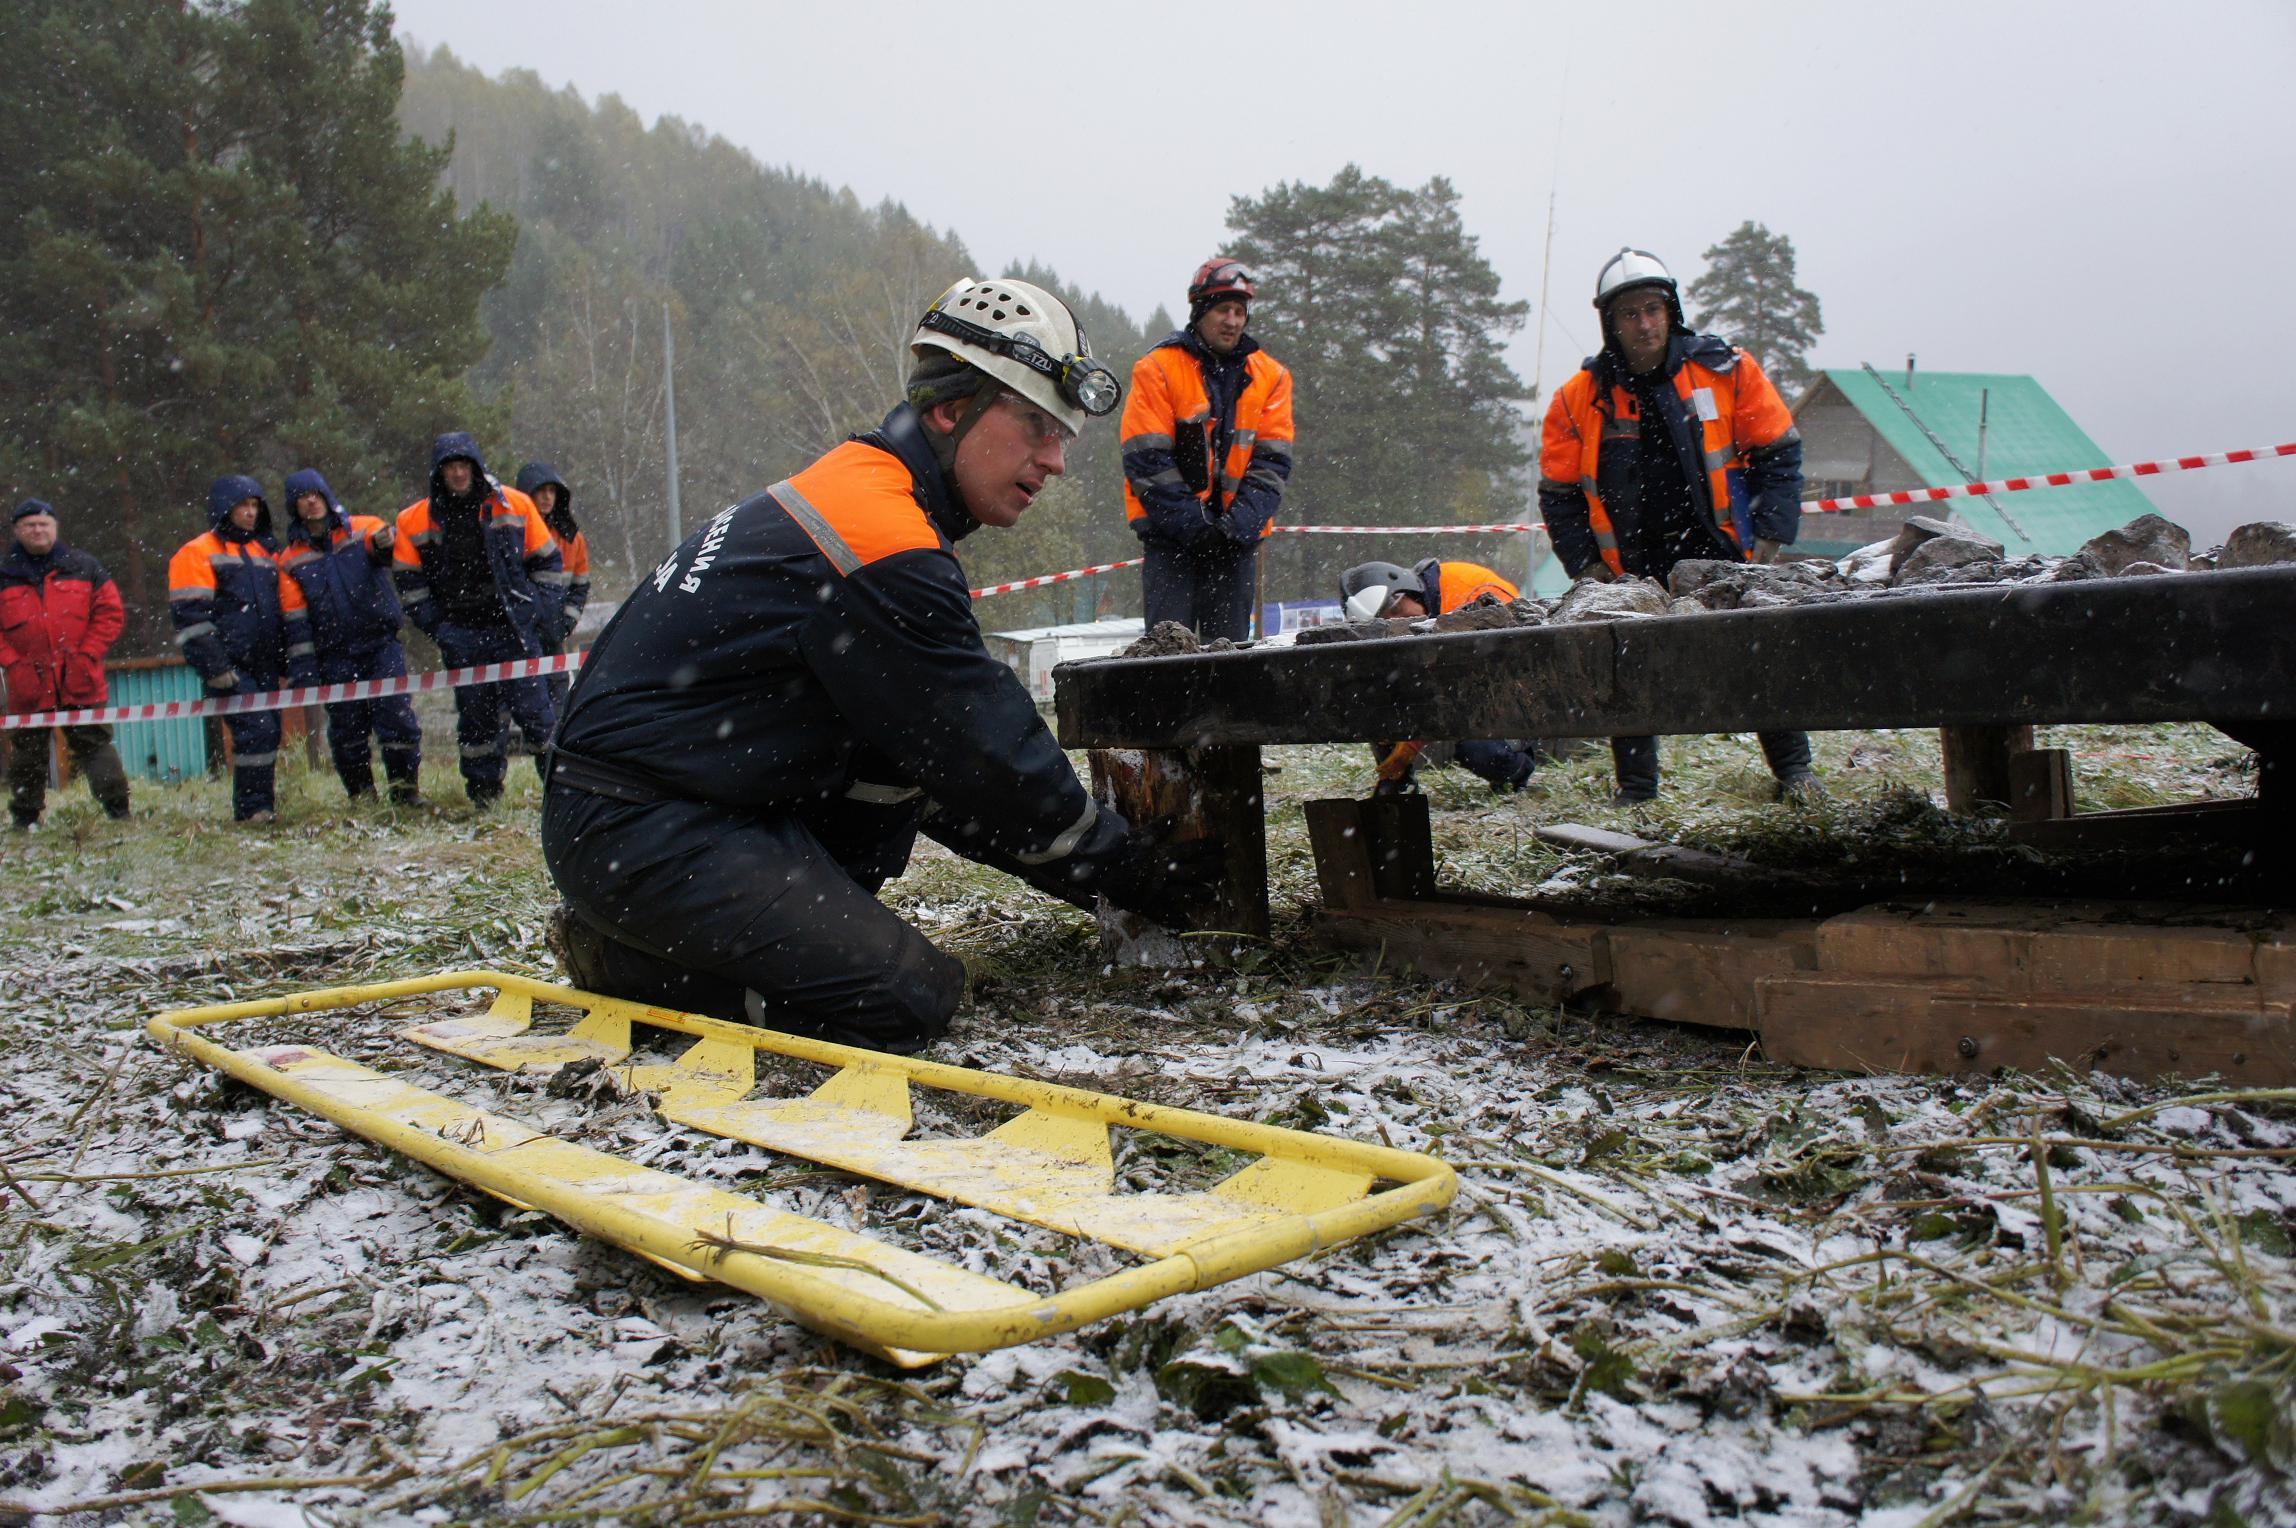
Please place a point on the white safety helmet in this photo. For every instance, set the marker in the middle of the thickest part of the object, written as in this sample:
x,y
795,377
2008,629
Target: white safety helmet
x,y
1368,588
1027,339
1631,268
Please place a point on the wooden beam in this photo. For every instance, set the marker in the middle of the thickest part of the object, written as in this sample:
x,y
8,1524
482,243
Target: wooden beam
x,y
2214,646
2243,822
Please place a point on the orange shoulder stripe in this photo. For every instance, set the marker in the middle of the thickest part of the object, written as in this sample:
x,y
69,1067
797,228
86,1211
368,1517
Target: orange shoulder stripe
x,y
858,505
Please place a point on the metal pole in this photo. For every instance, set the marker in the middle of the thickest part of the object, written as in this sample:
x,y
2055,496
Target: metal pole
x,y
670,421
1984,408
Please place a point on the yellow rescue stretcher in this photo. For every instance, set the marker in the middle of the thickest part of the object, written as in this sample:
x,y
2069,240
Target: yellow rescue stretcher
x,y
1051,1165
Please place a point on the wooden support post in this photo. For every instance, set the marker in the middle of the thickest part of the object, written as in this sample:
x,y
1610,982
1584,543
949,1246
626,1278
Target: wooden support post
x,y
1977,764
1205,793
2040,785
1342,854
1399,840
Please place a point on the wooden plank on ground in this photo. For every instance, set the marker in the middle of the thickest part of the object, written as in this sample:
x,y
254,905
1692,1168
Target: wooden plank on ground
x,y
2240,821
1854,1023
2051,947
1703,970
1543,958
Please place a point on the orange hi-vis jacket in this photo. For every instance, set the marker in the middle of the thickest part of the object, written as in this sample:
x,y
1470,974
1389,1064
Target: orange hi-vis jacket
x,y
1454,585
1747,475
1196,465
521,553
241,622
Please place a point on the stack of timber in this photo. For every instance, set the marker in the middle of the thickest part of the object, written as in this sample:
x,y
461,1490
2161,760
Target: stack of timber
x,y
2136,989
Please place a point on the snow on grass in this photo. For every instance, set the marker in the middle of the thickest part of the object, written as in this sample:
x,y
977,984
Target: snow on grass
x,y
1680,1285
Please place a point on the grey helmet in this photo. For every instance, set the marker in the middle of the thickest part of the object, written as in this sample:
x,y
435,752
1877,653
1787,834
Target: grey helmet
x,y
1366,589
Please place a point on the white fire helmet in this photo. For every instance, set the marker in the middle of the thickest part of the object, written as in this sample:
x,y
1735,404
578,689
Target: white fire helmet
x,y
1028,340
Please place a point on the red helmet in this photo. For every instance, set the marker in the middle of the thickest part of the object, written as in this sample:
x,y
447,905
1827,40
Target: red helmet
x,y
1219,279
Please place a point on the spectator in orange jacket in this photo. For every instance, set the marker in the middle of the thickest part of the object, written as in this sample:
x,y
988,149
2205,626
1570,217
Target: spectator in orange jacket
x,y
1669,445
1207,441
1384,590
59,614
243,625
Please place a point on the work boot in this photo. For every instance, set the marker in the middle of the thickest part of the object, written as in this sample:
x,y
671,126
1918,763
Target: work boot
x,y
580,949
358,780
406,793
23,824
1627,801
1802,788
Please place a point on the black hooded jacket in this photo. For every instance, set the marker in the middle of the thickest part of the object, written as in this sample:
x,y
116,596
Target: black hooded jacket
x,y
817,643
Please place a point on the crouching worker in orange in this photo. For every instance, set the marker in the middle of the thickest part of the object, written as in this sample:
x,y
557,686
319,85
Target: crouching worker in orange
x,y
1383,590
769,720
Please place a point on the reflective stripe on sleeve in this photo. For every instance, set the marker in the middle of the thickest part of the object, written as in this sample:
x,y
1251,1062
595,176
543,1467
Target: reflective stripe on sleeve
x,y
832,545
1065,845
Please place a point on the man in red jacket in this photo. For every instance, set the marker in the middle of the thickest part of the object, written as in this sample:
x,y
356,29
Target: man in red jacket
x,y
59,614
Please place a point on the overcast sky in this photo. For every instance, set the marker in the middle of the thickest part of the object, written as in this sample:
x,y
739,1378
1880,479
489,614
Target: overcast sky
x,y
2099,193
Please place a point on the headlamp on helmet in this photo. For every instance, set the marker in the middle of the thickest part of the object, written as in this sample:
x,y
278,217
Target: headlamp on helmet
x,y
1083,381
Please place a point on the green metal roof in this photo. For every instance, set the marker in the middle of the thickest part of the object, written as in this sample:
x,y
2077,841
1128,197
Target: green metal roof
x,y
2026,434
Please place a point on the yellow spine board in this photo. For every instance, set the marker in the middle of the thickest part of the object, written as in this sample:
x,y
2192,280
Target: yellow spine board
x,y
1051,1165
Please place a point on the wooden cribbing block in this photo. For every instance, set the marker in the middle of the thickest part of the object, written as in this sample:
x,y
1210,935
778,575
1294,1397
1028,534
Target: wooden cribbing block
x,y
1854,1023
2085,947
1703,971
1342,853
2040,784
1399,840
1977,764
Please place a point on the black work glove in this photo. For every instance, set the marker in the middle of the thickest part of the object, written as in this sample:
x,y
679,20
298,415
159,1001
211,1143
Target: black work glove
x,y
1161,879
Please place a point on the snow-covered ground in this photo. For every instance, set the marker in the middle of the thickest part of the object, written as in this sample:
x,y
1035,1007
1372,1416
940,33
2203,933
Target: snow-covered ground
x,y
1679,1285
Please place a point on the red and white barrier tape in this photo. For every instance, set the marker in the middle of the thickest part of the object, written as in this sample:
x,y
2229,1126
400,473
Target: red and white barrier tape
x,y
300,695
1809,506
1404,530
1056,578
2048,480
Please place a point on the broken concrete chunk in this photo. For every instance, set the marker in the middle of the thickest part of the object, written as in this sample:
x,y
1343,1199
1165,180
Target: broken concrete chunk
x,y
1934,556
2259,545
1482,615
1920,528
2147,538
1623,599
1165,640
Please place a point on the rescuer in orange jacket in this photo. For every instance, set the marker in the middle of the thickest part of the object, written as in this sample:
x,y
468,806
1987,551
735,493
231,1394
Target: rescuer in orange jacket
x,y
1207,440
1669,445
757,737
1383,590
242,625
